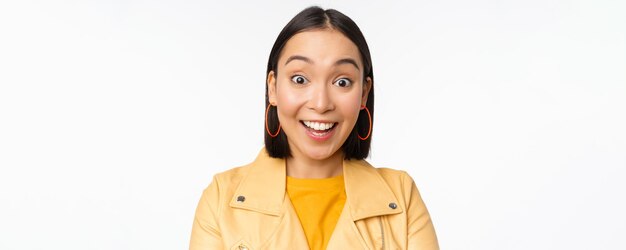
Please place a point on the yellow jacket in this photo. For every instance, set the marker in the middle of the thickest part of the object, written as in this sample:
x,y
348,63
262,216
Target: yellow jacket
x,y
248,208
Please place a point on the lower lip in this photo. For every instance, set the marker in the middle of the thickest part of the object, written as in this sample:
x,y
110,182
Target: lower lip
x,y
321,137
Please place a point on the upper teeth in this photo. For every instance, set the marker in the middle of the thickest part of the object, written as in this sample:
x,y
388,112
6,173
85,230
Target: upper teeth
x,y
318,125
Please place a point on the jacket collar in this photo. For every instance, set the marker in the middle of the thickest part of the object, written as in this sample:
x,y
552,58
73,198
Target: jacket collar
x,y
263,188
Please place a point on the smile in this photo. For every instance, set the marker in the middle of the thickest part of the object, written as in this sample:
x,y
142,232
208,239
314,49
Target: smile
x,y
320,126
319,131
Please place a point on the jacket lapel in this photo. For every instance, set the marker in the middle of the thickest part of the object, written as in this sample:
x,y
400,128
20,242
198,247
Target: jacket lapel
x,y
367,193
263,190
263,187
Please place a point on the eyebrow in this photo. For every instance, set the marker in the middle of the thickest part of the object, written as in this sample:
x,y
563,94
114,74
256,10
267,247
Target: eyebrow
x,y
309,61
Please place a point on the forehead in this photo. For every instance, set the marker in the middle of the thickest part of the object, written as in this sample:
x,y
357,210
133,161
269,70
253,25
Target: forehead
x,y
322,46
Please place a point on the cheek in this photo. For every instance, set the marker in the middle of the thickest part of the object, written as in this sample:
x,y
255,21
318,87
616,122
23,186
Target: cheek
x,y
288,102
350,107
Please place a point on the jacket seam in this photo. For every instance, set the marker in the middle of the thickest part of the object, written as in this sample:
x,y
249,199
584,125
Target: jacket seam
x,y
220,202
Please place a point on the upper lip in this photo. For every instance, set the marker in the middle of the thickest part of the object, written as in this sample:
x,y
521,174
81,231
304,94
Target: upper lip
x,y
320,121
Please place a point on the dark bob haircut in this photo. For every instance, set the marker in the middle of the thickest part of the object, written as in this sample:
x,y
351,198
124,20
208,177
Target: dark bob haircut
x,y
318,18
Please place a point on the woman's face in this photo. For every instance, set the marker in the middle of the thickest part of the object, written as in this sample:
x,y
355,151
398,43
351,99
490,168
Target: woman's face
x,y
318,90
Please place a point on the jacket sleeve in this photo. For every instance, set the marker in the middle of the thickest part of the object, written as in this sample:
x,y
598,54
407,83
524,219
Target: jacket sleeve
x,y
421,232
205,233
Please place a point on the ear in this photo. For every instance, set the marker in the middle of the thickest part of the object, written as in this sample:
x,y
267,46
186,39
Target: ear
x,y
271,87
367,86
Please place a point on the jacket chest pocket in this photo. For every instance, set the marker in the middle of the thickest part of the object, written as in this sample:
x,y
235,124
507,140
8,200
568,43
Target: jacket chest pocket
x,y
377,233
266,232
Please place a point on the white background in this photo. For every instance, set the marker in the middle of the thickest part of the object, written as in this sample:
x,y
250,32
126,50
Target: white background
x,y
509,115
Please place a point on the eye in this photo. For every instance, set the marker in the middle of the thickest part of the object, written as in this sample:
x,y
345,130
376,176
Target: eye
x,y
343,82
299,79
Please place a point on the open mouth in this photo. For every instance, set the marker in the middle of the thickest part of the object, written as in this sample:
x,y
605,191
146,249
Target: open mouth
x,y
319,129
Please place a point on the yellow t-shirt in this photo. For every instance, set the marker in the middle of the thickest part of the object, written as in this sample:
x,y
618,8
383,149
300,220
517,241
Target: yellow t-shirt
x,y
318,203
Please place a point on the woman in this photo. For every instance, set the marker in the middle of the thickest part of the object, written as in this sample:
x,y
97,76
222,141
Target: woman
x,y
309,187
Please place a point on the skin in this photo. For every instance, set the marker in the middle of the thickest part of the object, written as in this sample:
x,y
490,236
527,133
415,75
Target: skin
x,y
319,77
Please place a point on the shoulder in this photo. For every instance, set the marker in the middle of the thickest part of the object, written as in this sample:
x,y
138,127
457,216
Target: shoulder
x,y
220,190
394,177
397,180
390,174
232,174
400,182
230,178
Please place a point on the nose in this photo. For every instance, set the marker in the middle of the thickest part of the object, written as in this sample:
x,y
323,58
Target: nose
x,y
320,99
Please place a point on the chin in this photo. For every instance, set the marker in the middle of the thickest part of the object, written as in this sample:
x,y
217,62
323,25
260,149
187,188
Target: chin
x,y
321,154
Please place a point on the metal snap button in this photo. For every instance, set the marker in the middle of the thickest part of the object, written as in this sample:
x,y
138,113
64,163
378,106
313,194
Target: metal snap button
x,y
241,198
393,205
242,246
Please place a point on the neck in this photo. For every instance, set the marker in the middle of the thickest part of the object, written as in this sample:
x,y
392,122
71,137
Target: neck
x,y
306,168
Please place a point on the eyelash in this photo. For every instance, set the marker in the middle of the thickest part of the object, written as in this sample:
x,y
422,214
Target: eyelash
x,y
349,82
295,76
346,79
